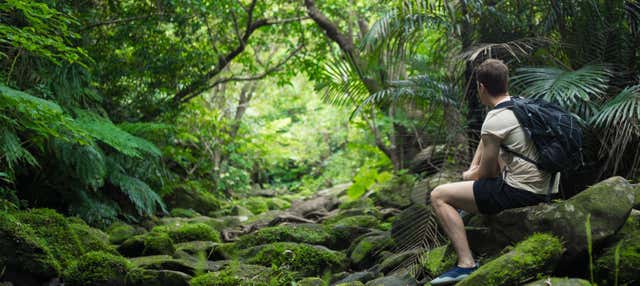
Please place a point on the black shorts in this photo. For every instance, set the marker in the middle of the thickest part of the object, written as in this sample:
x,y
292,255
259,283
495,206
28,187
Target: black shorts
x,y
493,196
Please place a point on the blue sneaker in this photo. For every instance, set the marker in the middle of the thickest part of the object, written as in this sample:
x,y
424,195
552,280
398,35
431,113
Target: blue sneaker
x,y
454,275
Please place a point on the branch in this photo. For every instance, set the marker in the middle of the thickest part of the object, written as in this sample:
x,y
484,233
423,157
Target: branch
x,y
249,78
200,85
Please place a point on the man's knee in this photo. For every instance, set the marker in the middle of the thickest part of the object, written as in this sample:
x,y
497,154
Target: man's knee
x,y
438,195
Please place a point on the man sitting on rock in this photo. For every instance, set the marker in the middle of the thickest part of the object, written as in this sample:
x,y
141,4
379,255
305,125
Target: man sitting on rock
x,y
485,190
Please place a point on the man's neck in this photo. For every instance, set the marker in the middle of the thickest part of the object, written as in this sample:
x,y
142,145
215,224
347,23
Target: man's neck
x,y
495,100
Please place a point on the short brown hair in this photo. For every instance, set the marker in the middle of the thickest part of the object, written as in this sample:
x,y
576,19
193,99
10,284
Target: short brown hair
x,y
494,75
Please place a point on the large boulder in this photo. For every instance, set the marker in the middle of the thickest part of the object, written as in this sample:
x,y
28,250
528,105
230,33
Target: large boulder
x,y
366,250
209,249
394,280
305,233
245,274
91,239
152,243
538,254
605,205
55,230
429,159
119,232
24,255
98,268
309,260
394,193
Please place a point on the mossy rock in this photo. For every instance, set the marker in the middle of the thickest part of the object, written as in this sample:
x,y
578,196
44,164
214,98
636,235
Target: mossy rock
x,y
560,282
362,203
22,252
152,243
365,251
209,249
309,260
190,232
256,205
192,197
395,260
536,255
368,221
628,252
277,204
394,193
305,233
92,239
345,213
147,277
99,269
119,232
345,235
238,210
188,213
437,260
165,262
244,275
311,281
607,205
53,228
401,279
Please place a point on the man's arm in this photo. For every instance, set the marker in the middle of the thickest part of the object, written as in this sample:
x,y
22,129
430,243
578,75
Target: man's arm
x,y
488,166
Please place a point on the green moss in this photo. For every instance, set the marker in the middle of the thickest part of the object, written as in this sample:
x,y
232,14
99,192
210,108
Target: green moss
x,y
245,275
147,277
190,232
307,259
98,268
180,212
628,249
22,251
360,203
311,281
534,256
345,213
365,252
119,232
153,243
278,204
395,192
360,220
53,228
92,239
256,205
307,233
352,283
438,260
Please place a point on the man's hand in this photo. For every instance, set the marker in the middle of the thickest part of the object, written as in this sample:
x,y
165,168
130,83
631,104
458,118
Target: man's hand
x,y
470,174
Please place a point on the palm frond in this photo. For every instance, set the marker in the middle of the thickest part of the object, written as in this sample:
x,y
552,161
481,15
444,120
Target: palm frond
x,y
516,49
632,7
624,108
573,90
619,119
342,84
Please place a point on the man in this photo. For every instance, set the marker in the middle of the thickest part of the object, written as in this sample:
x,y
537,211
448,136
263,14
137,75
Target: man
x,y
496,180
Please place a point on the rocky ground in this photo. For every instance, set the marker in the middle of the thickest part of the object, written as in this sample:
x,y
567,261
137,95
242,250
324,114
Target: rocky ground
x,y
388,237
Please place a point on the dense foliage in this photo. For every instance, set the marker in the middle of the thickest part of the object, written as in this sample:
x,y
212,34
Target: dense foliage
x,y
109,107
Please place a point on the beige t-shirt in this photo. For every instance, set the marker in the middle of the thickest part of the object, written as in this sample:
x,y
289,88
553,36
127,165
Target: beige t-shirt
x,y
520,173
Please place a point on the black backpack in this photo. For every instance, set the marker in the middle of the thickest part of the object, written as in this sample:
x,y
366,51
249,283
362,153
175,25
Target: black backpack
x,y
556,134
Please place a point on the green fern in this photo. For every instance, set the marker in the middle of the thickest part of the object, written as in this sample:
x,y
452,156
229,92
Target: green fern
x,y
85,164
144,199
103,130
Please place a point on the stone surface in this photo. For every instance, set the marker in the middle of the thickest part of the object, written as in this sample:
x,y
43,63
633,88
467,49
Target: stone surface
x,y
607,204
364,277
559,282
536,255
393,280
146,277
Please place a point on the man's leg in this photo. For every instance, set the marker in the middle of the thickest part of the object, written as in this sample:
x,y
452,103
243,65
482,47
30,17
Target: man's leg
x,y
445,199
